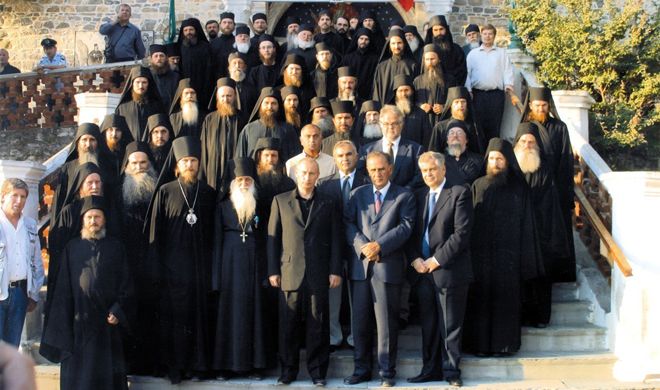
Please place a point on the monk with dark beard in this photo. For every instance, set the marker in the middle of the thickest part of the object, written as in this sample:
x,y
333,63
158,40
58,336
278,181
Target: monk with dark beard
x,y
417,126
160,139
265,74
291,100
186,115
452,55
295,73
396,59
139,100
219,135
431,86
196,63
458,107
115,131
165,78
324,75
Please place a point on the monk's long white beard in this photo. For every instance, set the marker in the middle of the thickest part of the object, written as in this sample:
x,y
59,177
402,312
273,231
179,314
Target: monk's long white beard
x,y
326,125
347,94
474,45
305,44
414,44
189,113
237,75
242,47
291,41
245,203
372,131
138,187
455,150
89,235
85,157
529,160
404,105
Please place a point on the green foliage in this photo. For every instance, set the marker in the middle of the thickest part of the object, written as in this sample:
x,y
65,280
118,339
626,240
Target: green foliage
x,y
609,48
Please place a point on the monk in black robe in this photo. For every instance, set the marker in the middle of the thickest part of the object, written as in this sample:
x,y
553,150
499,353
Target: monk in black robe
x,y
395,59
367,126
343,121
369,21
556,143
223,45
265,74
549,223
416,126
306,46
92,307
432,84
186,114
505,253
247,93
362,58
240,345
463,166
453,59
196,55
161,136
324,75
267,121
458,107
180,248
220,132
295,73
115,132
139,100
164,77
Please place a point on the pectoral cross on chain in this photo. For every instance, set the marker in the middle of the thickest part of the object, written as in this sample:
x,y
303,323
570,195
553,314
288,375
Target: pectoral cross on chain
x,y
244,236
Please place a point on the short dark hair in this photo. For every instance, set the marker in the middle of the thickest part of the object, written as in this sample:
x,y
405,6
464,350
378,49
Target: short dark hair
x,y
211,22
11,184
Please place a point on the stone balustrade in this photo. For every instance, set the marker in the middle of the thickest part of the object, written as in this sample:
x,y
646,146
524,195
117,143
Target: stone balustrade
x,y
47,99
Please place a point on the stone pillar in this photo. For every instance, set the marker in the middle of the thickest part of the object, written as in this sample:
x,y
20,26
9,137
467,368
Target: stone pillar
x,y
635,318
31,173
438,7
94,106
524,70
573,108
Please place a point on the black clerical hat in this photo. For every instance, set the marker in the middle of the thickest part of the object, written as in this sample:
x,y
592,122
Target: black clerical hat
x,y
397,21
370,105
236,55
342,107
471,28
457,93
438,20
134,147
319,101
409,28
267,37
294,59
345,71
243,166
292,20
457,123
322,46
172,50
267,143
157,48
48,42
540,93
225,82
402,80
259,15
396,32
432,47
242,29
186,147
116,121
157,120
367,14
306,27
88,129
290,90
362,31
227,15
93,202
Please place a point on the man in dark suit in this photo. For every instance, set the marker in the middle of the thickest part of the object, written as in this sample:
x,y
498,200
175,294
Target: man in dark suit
x,y
403,153
379,219
441,269
339,187
304,261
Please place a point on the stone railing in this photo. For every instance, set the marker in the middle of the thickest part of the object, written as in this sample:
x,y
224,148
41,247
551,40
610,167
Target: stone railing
x,y
46,99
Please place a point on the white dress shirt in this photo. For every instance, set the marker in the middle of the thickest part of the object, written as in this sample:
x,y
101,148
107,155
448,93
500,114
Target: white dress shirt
x,y
326,163
383,192
395,147
488,69
18,245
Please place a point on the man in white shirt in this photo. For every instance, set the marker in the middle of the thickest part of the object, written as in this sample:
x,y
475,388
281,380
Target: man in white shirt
x,y
21,267
490,75
311,141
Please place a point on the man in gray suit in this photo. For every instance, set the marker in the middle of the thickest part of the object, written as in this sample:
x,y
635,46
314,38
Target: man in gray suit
x,y
304,261
379,219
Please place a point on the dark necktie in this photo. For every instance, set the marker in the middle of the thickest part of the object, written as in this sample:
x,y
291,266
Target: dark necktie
x,y
346,189
426,247
378,203
390,151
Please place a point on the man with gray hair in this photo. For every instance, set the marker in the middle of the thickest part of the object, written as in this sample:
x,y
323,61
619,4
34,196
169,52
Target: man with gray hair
x,y
123,39
20,252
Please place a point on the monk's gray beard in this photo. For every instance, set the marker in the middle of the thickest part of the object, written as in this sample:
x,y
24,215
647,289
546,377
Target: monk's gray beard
x,y
242,47
291,81
305,44
324,65
372,131
225,109
455,150
435,74
347,94
245,203
89,235
292,116
189,113
160,69
267,119
85,157
456,114
291,41
474,45
237,75
414,44
404,105
138,187
528,160
326,125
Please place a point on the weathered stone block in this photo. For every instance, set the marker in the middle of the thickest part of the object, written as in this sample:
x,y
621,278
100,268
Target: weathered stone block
x,y
476,2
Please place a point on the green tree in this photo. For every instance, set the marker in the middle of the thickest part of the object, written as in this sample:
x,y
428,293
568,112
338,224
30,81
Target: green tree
x,y
609,48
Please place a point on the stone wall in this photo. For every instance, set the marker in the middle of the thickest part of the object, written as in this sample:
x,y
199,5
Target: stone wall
x,y
74,23
34,144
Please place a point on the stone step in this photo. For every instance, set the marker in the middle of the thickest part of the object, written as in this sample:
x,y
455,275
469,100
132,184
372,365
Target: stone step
x,y
520,369
571,313
554,338
562,292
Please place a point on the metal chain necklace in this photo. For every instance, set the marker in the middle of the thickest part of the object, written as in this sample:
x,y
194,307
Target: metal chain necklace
x,y
191,218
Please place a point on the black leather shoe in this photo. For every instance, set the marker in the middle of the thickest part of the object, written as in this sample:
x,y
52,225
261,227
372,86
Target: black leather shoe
x,y
319,382
455,382
355,379
422,378
284,380
387,382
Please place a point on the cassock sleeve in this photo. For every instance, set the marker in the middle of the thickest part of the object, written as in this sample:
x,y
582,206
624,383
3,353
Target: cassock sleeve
x,y
125,308
216,266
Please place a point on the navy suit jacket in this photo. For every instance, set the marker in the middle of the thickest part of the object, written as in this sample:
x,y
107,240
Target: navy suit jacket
x,y
450,229
405,173
391,228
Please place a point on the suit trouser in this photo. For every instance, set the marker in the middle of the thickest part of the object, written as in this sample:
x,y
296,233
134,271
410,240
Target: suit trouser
x,y
335,297
312,306
488,111
375,301
441,312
